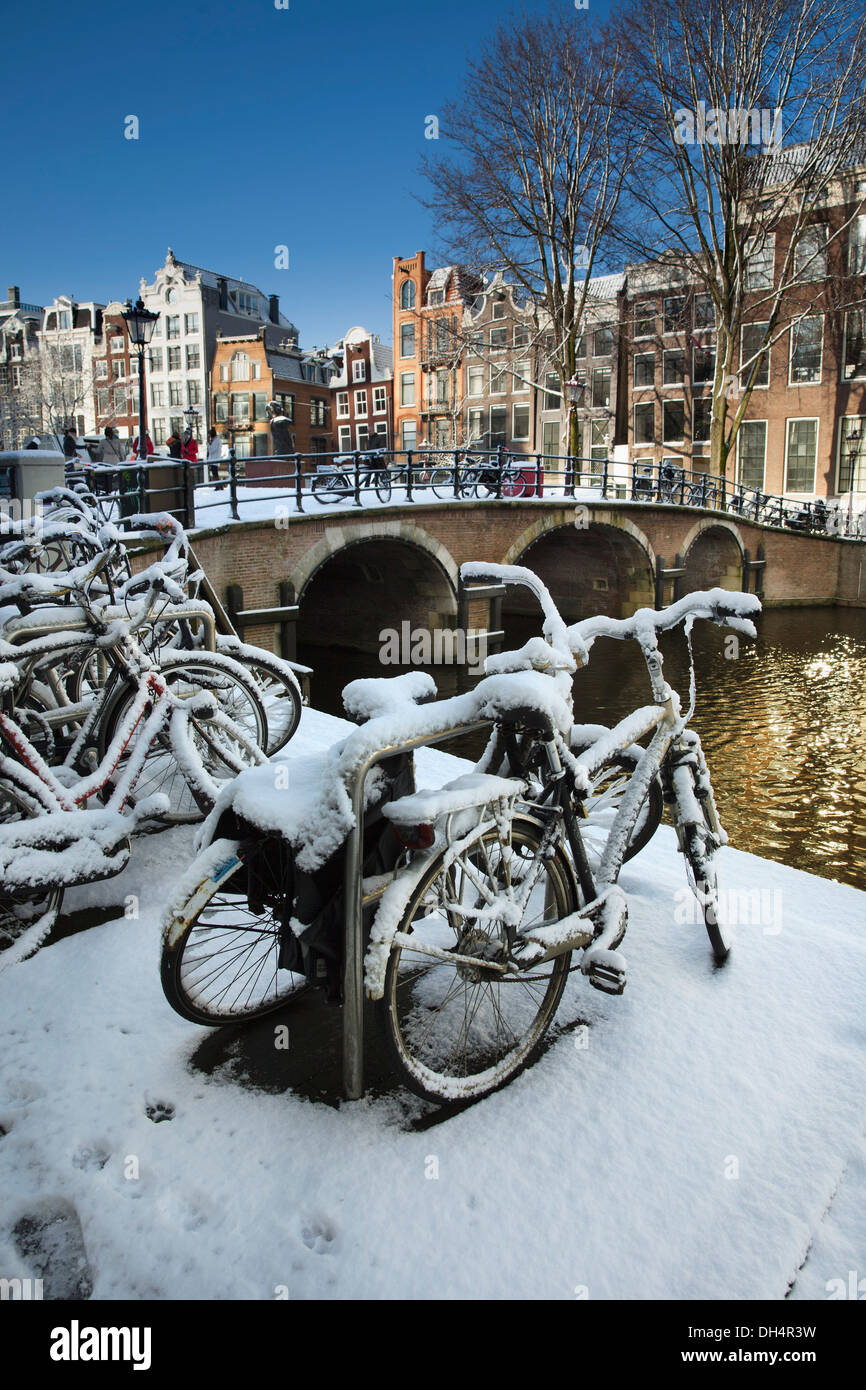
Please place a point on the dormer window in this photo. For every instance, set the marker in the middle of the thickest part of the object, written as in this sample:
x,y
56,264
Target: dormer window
x,y
499,309
64,319
436,297
359,370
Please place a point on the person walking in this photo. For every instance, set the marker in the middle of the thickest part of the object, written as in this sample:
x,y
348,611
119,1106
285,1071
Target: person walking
x,y
214,455
70,446
148,446
175,446
111,451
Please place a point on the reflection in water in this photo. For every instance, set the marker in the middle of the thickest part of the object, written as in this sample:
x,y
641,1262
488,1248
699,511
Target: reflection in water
x,y
783,725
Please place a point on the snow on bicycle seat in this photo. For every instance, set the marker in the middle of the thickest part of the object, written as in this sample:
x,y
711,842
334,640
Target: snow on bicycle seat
x,y
373,697
467,793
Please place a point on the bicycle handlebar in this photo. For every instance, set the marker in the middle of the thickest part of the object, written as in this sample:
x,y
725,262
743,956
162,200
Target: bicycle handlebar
x,y
720,606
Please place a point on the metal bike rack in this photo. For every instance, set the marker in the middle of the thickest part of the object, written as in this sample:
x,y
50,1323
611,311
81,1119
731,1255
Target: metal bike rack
x,y
353,951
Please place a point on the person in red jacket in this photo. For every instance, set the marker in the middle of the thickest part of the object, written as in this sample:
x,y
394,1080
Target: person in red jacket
x,y
148,446
189,449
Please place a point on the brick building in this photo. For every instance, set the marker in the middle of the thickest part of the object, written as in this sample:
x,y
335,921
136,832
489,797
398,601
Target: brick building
x,y
249,371
363,393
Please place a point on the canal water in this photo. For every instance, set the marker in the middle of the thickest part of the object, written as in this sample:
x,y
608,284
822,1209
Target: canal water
x,y
783,723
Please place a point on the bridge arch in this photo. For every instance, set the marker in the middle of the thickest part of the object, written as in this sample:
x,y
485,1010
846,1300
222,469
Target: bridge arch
x,y
713,555
591,562
339,537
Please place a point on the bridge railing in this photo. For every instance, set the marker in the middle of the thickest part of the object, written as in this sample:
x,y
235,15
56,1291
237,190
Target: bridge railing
x,y
206,492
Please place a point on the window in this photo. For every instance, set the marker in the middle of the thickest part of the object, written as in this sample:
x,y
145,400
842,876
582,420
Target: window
x,y
190,323
260,444
499,309
442,434
287,406
702,412
435,296
854,357
704,312
359,369
475,425
171,297
118,369
64,319
116,344
172,327
221,408
101,369
852,453
674,313
407,301
240,407
360,403
475,381
380,431
242,446
156,359
601,386
193,357
240,365
247,303
602,342
407,388
441,387
552,398
521,336
318,411
157,431
857,246
119,400
644,369
173,359
409,432
520,428
810,254
750,342
597,444
362,436
345,436
443,337
407,339
498,339
752,453
498,425
175,393
260,405
806,345
342,405
102,399
380,400
193,393
644,319
550,439
760,256
674,368
801,454
703,365
644,424
224,372
498,381
673,421
16,378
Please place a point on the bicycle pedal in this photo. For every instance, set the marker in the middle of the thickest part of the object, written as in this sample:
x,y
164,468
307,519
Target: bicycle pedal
x,y
609,978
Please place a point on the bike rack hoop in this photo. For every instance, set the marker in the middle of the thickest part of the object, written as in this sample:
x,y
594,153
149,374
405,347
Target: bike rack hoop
x,y
353,927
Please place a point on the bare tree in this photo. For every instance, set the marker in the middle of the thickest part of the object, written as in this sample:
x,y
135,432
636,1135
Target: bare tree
x,y
715,89
540,154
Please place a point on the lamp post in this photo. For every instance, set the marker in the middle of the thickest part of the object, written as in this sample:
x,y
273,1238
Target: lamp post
x,y
852,439
575,390
140,323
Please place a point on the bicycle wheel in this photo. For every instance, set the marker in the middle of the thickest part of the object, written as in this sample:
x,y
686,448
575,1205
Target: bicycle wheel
x,y
24,910
457,1031
223,965
331,487
699,843
382,484
514,483
278,690
223,752
598,810
442,483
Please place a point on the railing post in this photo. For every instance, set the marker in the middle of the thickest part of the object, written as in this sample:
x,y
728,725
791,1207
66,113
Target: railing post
x,y
357,501
604,476
455,477
682,487
500,465
539,477
188,509
408,475
233,485
299,490
569,475
142,489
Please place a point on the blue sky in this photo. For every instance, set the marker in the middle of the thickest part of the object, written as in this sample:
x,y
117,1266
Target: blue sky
x,y
258,127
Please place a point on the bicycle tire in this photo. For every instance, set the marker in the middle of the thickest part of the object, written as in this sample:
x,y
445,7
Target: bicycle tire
x,y
24,914
609,787
413,1007
698,843
331,487
442,483
279,692
222,754
222,966
382,484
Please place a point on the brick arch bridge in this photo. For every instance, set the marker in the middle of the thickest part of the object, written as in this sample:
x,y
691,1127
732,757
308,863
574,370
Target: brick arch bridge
x,y
340,577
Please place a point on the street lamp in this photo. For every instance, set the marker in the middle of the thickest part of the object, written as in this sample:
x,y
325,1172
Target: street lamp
x,y
852,439
575,390
140,323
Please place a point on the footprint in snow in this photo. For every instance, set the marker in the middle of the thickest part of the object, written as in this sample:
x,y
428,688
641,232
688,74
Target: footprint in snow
x,y
50,1239
159,1110
90,1160
318,1235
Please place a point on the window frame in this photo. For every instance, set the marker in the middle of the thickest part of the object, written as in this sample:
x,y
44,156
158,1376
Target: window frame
x,y
796,420
812,381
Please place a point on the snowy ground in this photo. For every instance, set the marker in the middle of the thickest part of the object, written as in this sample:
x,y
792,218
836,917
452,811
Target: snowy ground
x,y
700,1137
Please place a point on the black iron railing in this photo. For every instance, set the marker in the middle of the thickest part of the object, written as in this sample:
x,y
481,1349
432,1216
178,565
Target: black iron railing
x,y
305,483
